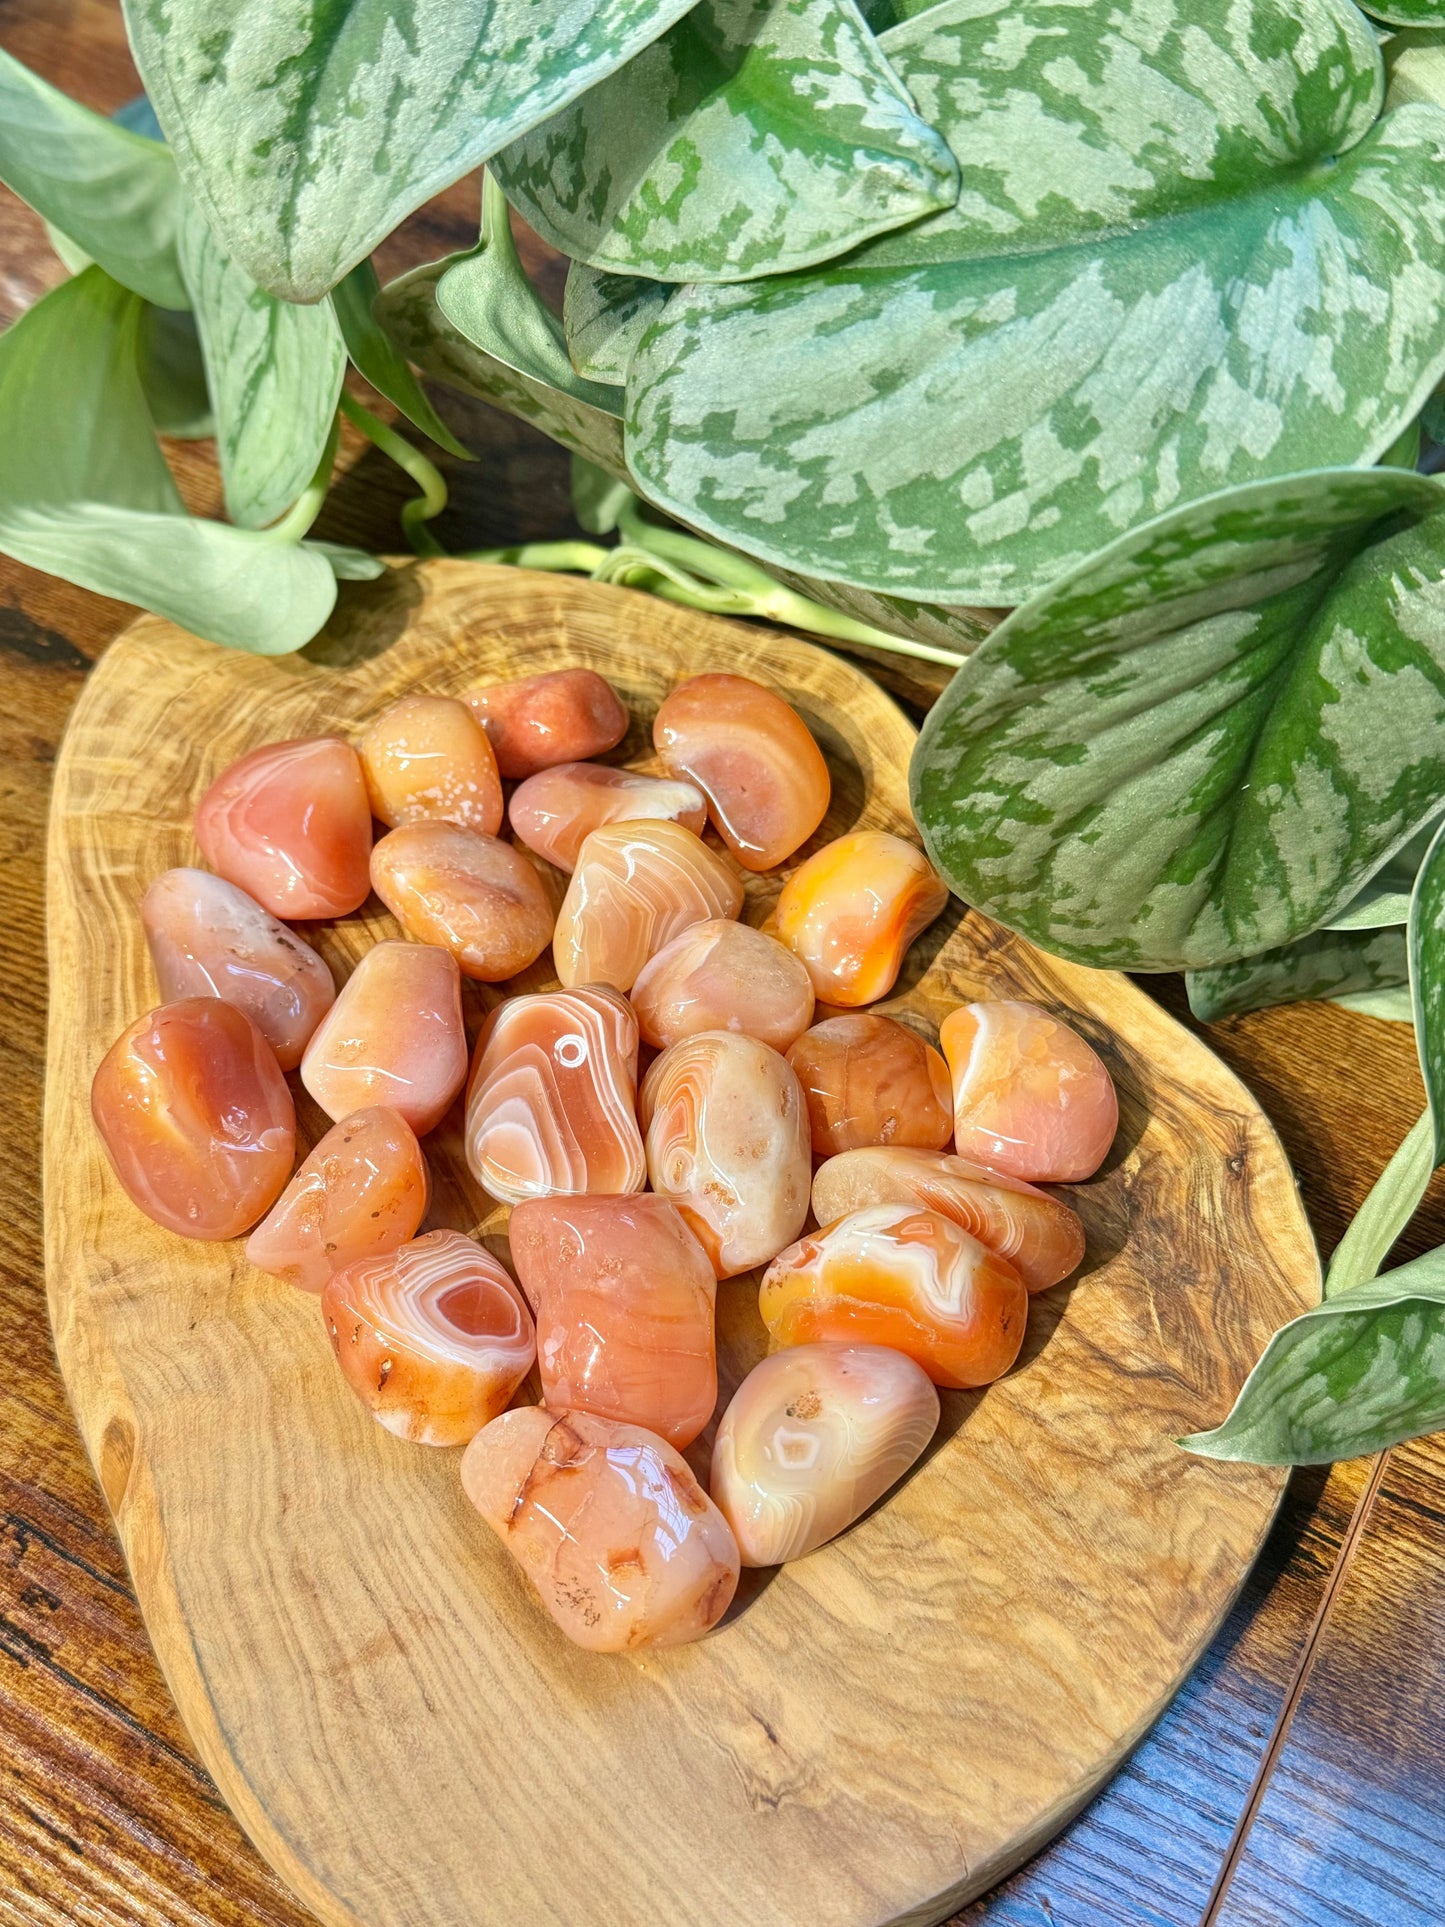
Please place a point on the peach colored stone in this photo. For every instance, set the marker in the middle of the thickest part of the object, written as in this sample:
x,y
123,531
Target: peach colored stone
x,y
554,811
1041,1238
721,975
290,824
363,1190
207,938
624,1295
434,1338
428,757
901,1276
812,1437
563,716
752,756
871,1080
620,1542
394,1036
727,1140
1030,1097
472,894
196,1118
851,911
551,1105
636,887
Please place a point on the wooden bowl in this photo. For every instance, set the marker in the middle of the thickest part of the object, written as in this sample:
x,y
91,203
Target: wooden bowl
x,y
876,1733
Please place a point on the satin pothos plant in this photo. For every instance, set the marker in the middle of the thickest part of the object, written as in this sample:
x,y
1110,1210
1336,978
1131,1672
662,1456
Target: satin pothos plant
x,y
1089,347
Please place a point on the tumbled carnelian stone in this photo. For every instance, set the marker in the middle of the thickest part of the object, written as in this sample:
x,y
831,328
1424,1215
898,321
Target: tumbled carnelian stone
x,y
363,1190
555,811
196,1118
752,756
851,911
721,975
562,716
290,823
428,757
472,894
635,888
394,1036
1030,1097
870,1080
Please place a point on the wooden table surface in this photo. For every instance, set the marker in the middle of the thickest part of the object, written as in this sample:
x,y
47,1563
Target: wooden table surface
x,y
1295,1782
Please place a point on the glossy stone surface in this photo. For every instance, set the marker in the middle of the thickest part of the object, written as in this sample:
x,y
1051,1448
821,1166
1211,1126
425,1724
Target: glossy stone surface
x,y
812,1437
1030,1097
551,1105
621,1543
472,894
1040,1236
207,938
434,1338
636,887
851,911
428,757
722,975
752,756
196,1118
394,1036
362,1191
290,823
870,1080
624,1298
727,1140
554,811
563,716
901,1276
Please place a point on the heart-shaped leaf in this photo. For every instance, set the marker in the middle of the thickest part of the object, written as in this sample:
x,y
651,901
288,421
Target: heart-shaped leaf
x,y
374,355
1330,963
604,316
963,409
756,136
1201,742
305,132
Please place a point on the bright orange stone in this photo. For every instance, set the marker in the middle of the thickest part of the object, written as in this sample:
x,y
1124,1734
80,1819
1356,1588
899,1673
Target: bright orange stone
x,y
722,975
870,1080
1030,1097
851,911
394,1036
752,756
472,894
554,811
635,888
623,1294
428,757
434,1338
563,716
363,1190
196,1118
291,825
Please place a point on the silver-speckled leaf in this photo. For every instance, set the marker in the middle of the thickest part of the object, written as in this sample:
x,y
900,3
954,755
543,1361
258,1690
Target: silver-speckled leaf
x,y
306,132
962,410
604,316
1200,743
755,137
1328,963
1407,13
1427,981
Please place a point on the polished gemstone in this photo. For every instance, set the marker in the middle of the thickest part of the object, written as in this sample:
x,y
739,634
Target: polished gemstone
x,y
362,1191
290,824
851,911
636,887
428,757
554,811
722,975
564,716
1030,1097
473,894
871,1080
394,1036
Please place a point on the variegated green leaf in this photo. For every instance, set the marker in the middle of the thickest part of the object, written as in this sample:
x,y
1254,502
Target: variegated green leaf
x,y
1389,1006
604,316
1329,963
755,137
306,131
962,410
1427,981
274,371
113,195
1201,742
1414,69
1393,1200
374,356
1385,899
1407,13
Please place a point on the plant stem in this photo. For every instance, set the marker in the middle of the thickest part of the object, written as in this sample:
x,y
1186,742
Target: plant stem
x,y
297,520
428,478
578,558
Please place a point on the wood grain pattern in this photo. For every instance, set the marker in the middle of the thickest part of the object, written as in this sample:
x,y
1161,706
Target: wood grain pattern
x,y
886,1727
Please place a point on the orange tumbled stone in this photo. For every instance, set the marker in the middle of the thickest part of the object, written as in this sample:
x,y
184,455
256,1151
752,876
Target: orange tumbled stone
x,y
636,887
620,1542
1041,1238
196,1118
434,1338
428,757
870,1080
1030,1097
752,756
207,938
290,824
902,1276
564,716
551,1106
394,1036
851,911
472,894
722,975
554,811
363,1190
623,1295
